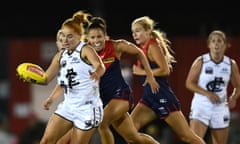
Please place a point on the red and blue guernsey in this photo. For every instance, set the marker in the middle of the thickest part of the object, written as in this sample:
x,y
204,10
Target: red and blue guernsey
x,y
112,83
164,101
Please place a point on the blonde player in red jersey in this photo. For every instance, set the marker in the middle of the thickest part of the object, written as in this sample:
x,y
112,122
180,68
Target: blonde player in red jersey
x,y
164,104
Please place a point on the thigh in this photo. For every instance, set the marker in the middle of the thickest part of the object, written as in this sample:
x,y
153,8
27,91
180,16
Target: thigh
x,y
124,126
201,115
220,118
126,129
87,116
220,136
117,137
66,138
142,115
82,136
220,125
198,127
177,121
114,110
56,128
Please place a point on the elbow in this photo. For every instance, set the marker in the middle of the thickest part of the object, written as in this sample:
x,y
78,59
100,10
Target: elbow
x,y
188,85
103,70
165,72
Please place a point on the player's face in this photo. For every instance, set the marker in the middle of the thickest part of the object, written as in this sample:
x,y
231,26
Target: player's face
x,y
70,39
217,45
140,35
96,39
59,41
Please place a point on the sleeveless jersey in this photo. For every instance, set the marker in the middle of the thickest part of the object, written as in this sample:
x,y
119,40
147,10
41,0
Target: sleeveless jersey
x,y
164,101
58,76
214,77
74,72
82,104
112,83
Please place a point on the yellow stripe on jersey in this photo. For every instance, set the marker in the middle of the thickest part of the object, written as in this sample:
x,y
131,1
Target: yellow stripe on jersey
x,y
109,60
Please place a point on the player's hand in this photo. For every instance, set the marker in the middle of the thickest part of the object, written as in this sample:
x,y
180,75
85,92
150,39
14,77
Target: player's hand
x,y
47,103
137,70
213,98
150,80
153,84
232,102
94,75
22,79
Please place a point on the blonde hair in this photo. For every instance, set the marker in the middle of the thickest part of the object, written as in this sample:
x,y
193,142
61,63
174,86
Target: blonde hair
x,y
58,34
221,34
148,24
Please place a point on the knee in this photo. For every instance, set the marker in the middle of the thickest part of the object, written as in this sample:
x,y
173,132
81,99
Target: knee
x,y
104,125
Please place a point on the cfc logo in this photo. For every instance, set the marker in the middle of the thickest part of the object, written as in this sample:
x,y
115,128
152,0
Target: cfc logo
x,y
215,85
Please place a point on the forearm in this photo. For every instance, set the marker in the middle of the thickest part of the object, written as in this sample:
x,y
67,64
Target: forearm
x,y
57,92
100,70
155,72
147,69
196,89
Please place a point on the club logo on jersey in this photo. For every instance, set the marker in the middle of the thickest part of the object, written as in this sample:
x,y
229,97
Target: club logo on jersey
x,y
226,119
63,63
75,60
71,74
163,110
88,123
224,71
216,84
163,100
209,70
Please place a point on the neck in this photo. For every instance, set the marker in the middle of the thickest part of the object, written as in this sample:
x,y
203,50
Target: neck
x,y
216,58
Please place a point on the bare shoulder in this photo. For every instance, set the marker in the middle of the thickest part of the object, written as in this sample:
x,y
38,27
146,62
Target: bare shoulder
x,y
198,61
233,61
120,42
234,64
58,55
87,47
86,50
199,58
156,48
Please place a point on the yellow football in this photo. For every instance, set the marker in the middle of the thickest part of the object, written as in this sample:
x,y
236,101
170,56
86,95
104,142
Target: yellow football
x,y
31,73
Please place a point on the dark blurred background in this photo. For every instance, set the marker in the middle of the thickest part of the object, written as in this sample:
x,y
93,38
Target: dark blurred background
x,y
27,33
177,18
